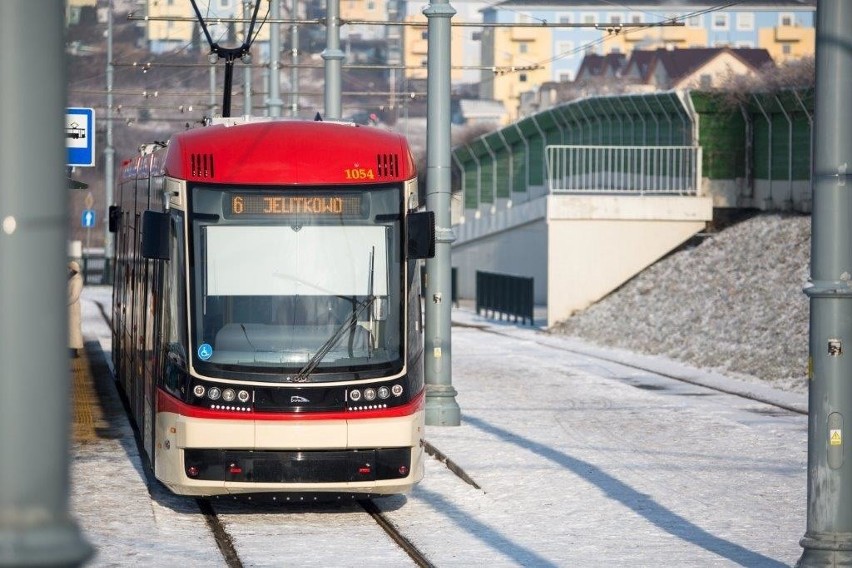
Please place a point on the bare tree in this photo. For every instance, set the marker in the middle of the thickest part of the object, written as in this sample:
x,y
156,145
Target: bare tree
x,y
735,89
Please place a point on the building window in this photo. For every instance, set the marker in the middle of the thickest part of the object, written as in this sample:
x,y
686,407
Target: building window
x,y
786,19
695,22
566,77
635,19
745,44
786,49
565,18
589,18
614,18
720,21
522,47
522,77
706,81
745,21
523,18
565,49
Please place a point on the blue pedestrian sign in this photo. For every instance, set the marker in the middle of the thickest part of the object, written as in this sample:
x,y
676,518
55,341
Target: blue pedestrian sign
x,y
80,136
88,218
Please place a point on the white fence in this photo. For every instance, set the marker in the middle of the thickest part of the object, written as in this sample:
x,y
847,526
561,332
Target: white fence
x,y
640,170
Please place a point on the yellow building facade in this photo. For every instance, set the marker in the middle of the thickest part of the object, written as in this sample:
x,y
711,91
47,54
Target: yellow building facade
x,y
788,42
416,49
520,62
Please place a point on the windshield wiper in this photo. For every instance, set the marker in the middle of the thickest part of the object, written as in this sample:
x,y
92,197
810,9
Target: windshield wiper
x,y
350,321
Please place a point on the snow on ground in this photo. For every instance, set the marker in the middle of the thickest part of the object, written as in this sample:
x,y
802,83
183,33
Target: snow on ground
x,y
578,461
639,470
733,304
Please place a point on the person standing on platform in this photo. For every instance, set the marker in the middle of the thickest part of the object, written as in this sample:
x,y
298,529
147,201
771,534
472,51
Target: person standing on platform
x,y
75,288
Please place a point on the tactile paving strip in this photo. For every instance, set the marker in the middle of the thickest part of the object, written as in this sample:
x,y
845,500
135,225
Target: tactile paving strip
x,y
87,411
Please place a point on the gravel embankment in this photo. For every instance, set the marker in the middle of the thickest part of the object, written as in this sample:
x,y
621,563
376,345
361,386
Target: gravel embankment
x,y
733,304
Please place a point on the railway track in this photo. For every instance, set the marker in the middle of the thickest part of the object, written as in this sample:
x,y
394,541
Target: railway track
x,y
230,553
230,521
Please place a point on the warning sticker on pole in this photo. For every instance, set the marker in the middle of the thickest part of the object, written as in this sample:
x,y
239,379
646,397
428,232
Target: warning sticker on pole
x,y
835,438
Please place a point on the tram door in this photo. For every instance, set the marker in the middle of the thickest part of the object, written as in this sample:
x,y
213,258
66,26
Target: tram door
x,y
151,355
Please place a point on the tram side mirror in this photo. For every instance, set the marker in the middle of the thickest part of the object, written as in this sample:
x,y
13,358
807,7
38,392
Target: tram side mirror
x,y
155,235
421,234
114,214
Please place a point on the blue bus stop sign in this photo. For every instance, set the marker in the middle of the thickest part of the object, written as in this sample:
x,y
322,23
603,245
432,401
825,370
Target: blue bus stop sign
x,y
88,218
80,136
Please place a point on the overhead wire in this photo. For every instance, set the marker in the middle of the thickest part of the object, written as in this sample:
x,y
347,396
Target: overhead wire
x,y
632,29
635,29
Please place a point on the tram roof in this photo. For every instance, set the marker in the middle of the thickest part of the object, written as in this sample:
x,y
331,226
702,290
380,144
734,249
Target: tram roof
x,y
289,152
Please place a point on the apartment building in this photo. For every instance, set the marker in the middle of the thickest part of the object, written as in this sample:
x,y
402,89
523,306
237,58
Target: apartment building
x,y
73,8
164,34
173,25
553,54
416,44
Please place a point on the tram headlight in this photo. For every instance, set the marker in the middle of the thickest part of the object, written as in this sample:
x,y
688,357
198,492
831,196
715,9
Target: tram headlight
x,y
383,392
198,390
228,395
370,394
355,395
396,390
214,393
243,396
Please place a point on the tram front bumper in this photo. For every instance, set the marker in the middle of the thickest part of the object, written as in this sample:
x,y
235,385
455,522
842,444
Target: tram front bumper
x,y
207,457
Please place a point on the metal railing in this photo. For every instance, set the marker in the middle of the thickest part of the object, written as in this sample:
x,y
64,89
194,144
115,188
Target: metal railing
x,y
96,269
667,170
505,295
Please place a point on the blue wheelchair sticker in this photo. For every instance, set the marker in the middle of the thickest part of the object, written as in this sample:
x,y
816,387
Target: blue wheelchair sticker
x,y
205,351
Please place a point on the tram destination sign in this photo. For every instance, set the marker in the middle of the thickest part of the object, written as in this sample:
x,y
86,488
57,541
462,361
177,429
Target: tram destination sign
x,y
258,205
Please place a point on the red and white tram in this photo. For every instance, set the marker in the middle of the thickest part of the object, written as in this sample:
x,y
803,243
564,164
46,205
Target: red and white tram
x,y
266,315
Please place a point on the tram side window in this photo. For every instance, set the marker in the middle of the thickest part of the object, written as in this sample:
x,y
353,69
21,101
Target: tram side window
x,y
175,325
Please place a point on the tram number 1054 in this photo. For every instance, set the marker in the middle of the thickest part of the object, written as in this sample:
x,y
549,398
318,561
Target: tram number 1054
x,y
359,173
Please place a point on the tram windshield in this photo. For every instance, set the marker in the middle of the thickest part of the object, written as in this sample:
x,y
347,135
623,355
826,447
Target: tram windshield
x,y
296,286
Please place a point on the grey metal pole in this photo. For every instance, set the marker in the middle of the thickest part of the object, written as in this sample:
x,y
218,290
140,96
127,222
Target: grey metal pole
x,y
274,102
36,528
109,154
441,406
828,538
294,52
247,69
333,57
